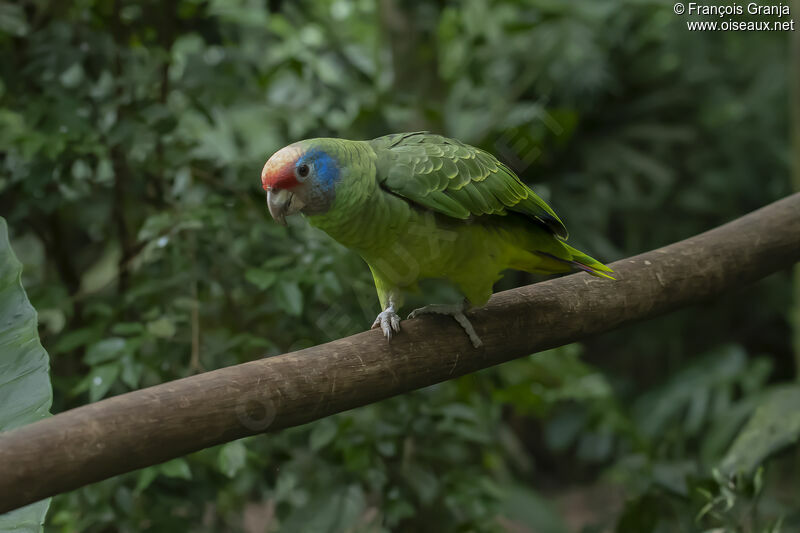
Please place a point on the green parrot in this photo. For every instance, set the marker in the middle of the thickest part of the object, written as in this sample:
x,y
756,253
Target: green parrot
x,y
421,206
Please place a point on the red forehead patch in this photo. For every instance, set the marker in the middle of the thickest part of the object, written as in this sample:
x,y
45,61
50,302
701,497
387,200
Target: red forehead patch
x,y
278,172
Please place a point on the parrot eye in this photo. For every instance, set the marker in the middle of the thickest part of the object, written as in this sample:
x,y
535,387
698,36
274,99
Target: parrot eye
x,y
302,170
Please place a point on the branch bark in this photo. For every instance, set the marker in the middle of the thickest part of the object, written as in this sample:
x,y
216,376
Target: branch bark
x,y
152,425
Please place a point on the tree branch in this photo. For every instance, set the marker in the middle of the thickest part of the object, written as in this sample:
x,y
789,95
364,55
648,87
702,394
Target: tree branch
x,y
152,425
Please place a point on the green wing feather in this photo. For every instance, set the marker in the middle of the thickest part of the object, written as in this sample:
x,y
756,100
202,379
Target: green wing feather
x,y
456,179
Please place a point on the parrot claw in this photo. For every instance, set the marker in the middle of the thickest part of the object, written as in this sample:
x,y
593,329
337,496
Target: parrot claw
x,y
388,321
457,312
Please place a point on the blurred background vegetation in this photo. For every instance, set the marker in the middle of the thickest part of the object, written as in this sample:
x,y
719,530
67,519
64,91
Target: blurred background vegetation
x,y
132,134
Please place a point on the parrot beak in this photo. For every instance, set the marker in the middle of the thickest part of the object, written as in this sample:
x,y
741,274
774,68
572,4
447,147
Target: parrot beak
x,y
283,203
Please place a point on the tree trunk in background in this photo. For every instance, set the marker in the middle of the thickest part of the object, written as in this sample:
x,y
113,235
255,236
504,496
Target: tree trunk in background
x,y
410,32
794,103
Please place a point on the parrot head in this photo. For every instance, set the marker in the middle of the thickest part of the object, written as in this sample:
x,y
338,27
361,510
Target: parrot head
x,y
300,178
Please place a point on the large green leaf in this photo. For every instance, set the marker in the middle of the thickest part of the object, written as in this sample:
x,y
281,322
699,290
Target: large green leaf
x,y
775,424
25,392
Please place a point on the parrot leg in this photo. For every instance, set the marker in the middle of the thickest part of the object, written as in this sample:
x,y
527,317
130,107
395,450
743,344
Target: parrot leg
x,y
454,310
388,321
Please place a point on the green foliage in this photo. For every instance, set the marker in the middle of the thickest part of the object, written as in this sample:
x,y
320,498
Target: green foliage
x,y
131,139
25,392
777,419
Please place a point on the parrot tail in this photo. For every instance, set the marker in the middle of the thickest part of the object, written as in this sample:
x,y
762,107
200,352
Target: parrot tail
x,y
581,261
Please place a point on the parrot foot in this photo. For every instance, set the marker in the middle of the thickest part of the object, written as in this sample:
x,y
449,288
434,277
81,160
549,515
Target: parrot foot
x,y
389,322
454,310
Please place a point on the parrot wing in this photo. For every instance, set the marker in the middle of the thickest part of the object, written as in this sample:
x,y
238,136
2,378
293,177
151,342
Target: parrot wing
x,y
456,179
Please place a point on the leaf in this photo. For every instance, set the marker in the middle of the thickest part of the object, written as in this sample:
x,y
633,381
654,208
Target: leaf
x,y
684,391
75,339
177,468
25,391
424,482
524,507
145,477
163,328
13,20
277,262
73,76
232,458
53,320
290,297
339,509
100,380
127,328
322,433
131,371
260,278
105,350
102,272
775,424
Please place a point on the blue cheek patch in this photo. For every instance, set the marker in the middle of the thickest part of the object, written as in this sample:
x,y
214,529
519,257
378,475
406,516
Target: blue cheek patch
x,y
326,171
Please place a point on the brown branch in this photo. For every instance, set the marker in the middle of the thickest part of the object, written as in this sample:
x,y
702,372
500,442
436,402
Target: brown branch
x,y
152,425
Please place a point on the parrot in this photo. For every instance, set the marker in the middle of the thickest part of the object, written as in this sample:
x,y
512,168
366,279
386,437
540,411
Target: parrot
x,y
418,206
